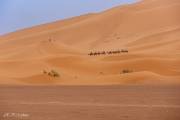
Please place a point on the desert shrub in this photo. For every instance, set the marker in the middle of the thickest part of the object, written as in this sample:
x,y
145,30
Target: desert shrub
x,y
125,71
52,73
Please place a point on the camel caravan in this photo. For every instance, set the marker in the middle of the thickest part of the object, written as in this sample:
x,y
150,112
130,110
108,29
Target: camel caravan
x,y
108,52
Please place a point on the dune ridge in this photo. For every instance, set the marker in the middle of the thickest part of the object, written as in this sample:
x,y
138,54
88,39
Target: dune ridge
x,y
148,29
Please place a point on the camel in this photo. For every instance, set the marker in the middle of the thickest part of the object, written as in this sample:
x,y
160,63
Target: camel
x,y
108,52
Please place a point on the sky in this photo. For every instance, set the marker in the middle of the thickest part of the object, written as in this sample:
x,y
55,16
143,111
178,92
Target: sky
x,y
19,14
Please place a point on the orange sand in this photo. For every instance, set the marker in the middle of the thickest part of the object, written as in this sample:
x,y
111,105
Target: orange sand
x,y
149,29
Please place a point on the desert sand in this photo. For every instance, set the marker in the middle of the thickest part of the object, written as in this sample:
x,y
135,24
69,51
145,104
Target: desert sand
x,y
90,103
148,29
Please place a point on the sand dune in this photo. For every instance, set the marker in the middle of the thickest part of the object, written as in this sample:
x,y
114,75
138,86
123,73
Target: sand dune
x,y
149,30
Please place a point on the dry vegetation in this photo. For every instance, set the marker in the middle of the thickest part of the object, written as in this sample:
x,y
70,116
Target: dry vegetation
x,y
125,71
51,73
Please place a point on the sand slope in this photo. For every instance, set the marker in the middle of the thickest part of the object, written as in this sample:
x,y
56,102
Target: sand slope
x,y
149,29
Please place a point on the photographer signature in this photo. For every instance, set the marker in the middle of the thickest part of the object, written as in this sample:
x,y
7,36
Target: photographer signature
x,y
17,116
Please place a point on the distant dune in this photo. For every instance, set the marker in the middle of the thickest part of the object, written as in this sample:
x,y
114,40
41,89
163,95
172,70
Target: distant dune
x,y
149,30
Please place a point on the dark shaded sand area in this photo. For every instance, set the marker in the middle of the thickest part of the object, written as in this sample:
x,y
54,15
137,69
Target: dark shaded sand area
x,y
90,103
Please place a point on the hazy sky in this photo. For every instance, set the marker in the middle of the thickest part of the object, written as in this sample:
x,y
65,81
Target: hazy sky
x,y
18,14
